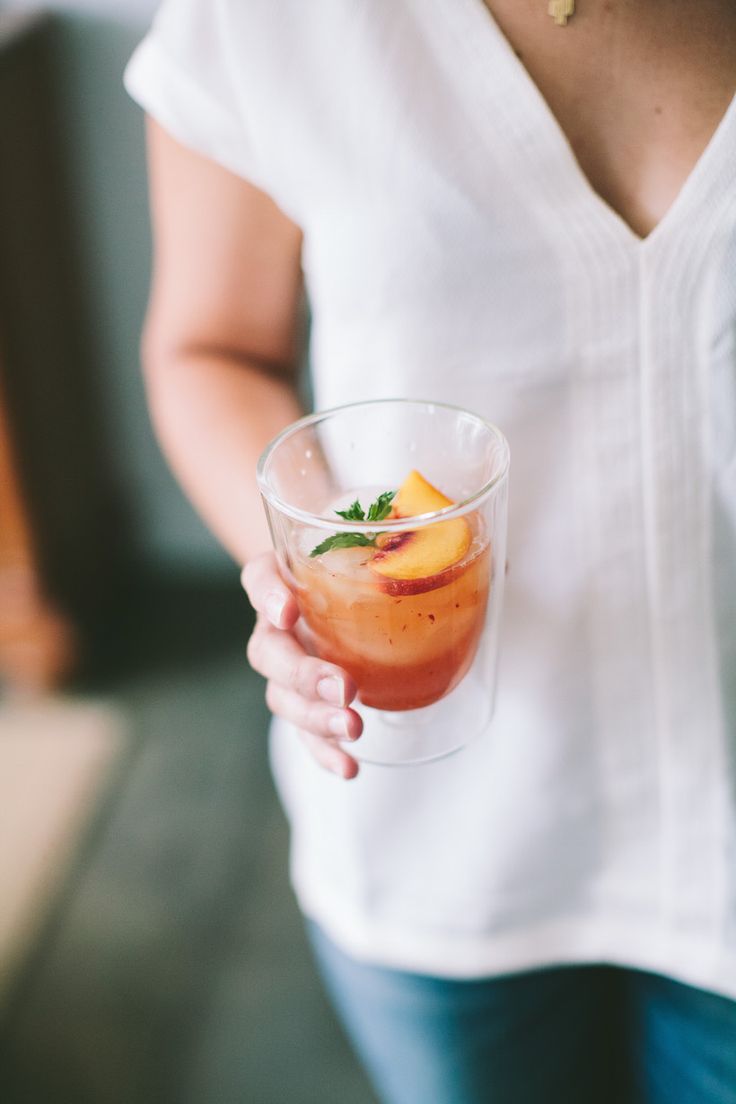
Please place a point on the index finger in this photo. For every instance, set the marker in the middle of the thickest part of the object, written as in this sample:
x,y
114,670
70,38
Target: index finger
x,y
268,593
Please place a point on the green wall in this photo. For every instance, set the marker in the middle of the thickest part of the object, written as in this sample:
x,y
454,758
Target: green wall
x,y
103,143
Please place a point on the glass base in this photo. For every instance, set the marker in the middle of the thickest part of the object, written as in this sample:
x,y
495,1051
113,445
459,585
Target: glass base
x,y
418,736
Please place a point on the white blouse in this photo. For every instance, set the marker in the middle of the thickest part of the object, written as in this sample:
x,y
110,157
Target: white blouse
x,y
454,250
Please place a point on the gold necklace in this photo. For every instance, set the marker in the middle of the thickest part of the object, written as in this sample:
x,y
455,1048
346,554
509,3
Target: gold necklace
x,y
561,10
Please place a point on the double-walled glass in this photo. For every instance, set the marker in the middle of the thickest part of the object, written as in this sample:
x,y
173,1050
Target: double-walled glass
x,y
410,606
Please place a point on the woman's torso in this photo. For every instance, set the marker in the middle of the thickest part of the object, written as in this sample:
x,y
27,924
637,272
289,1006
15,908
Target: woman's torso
x,y
454,248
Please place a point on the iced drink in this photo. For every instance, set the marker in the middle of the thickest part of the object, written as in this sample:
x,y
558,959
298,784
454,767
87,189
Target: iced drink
x,y
388,520
403,614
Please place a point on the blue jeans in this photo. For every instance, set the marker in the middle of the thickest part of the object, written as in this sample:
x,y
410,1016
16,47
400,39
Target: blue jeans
x,y
569,1035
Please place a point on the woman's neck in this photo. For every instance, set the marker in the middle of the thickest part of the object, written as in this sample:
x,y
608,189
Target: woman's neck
x,y
638,89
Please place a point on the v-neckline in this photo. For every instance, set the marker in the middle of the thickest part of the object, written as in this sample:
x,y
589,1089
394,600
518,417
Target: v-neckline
x,y
536,128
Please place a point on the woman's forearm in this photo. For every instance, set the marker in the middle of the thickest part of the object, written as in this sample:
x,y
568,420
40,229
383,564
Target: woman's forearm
x,y
213,414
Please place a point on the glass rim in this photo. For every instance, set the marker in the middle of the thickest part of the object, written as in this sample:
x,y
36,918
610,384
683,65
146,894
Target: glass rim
x,y
338,524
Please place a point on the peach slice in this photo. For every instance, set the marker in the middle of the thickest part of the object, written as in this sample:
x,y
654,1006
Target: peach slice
x,y
417,496
422,559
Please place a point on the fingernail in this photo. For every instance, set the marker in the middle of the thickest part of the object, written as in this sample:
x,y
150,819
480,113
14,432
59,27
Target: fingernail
x,y
331,689
275,604
338,726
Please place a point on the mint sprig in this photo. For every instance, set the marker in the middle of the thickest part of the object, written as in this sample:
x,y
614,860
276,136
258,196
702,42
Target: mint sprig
x,y
381,508
354,513
377,511
344,540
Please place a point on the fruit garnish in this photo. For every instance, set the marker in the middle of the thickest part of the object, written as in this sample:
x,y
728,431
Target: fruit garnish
x,y
417,496
414,561
425,558
377,511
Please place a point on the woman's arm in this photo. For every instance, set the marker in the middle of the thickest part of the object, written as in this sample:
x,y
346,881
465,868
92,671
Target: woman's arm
x,y
222,335
220,351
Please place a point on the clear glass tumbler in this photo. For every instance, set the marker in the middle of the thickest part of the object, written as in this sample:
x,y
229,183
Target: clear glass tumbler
x,y
388,519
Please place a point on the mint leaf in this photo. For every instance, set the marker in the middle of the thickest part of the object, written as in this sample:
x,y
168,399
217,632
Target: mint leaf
x,y
381,508
377,511
355,513
344,540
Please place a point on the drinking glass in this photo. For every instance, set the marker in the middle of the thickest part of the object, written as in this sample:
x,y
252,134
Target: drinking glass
x,y
409,603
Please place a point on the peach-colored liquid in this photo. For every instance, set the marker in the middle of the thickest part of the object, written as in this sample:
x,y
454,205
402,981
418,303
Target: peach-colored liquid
x,y
404,651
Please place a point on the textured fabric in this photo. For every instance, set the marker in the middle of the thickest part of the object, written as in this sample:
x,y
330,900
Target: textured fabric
x,y
454,250
575,1034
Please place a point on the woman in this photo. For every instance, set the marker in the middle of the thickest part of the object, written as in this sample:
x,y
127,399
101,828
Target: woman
x,y
535,220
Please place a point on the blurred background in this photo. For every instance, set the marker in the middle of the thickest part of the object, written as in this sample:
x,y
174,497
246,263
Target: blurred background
x,y
150,948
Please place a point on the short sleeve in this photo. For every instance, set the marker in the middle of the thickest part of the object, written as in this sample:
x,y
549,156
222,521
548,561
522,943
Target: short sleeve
x,y
182,75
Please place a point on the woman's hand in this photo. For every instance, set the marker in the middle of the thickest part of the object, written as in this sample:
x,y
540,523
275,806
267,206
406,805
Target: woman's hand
x,y
306,691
